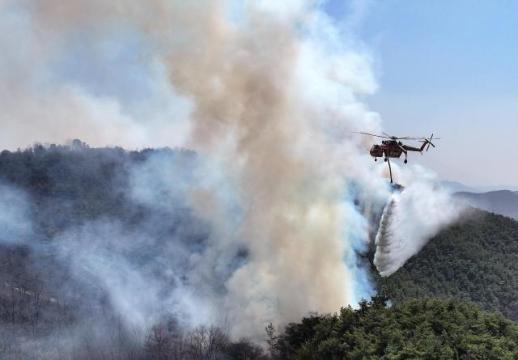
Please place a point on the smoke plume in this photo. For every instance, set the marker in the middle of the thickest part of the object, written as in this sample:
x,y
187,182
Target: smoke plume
x,y
265,92
15,215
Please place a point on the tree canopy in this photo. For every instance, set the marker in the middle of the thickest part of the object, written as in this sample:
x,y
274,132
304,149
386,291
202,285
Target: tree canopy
x,y
414,329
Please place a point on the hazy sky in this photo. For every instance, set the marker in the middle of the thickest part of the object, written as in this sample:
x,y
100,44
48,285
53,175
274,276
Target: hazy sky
x,y
444,66
448,67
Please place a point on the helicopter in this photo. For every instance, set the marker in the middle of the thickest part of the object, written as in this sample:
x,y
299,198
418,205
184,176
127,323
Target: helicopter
x,y
393,147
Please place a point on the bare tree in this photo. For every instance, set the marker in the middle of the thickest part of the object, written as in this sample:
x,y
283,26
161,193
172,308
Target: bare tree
x,y
158,343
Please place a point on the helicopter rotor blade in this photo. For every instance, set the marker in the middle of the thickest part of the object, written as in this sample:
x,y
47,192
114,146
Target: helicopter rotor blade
x,y
387,135
410,138
369,134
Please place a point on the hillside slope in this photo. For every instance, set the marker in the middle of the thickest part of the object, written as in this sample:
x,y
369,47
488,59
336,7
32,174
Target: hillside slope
x,y
48,305
474,260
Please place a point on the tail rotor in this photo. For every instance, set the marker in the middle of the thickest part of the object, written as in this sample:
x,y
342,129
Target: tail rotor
x,y
429,142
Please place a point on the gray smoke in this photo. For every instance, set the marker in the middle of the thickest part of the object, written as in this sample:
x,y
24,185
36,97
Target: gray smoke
x,y
15,215
265,92
265,223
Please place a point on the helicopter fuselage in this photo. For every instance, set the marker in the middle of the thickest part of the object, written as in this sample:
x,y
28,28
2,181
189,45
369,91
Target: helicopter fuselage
x,y
387,149
393,149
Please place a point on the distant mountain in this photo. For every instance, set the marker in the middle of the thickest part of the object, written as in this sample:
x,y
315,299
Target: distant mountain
x,y
503,202
455,186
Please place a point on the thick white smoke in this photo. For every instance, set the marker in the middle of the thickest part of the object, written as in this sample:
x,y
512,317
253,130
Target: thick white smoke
x,y
266,92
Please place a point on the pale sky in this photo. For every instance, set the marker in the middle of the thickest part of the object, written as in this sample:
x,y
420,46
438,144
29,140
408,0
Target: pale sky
x,y
448,67
444,66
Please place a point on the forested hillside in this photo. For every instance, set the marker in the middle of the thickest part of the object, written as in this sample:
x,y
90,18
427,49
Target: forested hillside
x,y
52,200
70,214
475,260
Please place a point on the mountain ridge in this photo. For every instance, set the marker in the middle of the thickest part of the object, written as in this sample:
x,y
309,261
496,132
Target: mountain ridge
x,y
502,202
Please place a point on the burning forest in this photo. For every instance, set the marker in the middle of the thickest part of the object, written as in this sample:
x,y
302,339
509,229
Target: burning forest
x,y
220,194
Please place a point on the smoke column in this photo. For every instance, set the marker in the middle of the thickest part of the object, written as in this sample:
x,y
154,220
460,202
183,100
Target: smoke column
x,y
288,183
266,92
